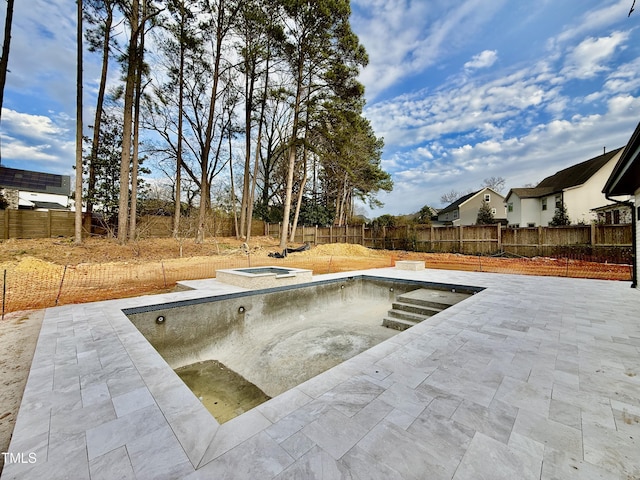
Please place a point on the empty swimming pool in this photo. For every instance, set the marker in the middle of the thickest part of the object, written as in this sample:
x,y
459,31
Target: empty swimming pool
x,y
272,339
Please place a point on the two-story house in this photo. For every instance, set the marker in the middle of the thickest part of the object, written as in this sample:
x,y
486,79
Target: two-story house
x,y
24,189
464,211
579,187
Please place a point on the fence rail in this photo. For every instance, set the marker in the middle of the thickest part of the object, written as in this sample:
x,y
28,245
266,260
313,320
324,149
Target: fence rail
x,y
598,242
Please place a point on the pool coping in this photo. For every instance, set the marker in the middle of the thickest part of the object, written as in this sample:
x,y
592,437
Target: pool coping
x,y
101,401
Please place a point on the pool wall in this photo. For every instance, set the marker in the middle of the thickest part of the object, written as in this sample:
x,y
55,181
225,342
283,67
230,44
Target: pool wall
x,y
223,327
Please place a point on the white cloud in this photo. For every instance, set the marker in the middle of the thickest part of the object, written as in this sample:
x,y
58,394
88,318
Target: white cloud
x,y
37,139
589,58
405,37
482,107
484,59
33,126
595,20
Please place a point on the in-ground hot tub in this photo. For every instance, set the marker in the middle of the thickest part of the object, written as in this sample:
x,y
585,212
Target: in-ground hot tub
x,y
271,339
263,277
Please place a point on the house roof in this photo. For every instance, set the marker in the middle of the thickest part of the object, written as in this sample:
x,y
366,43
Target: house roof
x,y
39,182
453,206
532,192
625,177
577,174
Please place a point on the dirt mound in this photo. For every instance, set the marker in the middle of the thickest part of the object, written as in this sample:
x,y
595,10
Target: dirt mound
x,y
346,250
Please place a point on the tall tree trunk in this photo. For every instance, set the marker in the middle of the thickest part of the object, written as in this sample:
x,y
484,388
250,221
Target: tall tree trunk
x,y
204,161
95,143
78,192
294,226
4,61
296,215
292,158
233,192
178,210
136,127
123,205
249,87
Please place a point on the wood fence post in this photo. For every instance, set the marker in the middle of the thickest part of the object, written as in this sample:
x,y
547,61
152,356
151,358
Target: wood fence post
x,y
315,236
431,235
362,238
48,224
593,234
541,241
461,240
330,233
499,237
7,212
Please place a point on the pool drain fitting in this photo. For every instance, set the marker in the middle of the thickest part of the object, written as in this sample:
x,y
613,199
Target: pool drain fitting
x,y
160,319
241,309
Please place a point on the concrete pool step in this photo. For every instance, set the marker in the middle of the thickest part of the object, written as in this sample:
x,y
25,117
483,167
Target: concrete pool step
x,y
433,298
422,310
406,315
397,323
414,307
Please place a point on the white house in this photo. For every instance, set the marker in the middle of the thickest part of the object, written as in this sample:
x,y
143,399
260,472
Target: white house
x,y
24,189
623,182
579,187
464,211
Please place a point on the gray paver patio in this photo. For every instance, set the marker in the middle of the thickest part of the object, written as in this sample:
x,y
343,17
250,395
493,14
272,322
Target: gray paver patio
x,y
534,377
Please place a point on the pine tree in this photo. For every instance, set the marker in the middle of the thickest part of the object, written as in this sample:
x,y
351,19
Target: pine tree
x,y
485,215
560,217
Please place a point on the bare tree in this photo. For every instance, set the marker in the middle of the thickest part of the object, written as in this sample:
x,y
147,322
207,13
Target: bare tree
x,y
496,184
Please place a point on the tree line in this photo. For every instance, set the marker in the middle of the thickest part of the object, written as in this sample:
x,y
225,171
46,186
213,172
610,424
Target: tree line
x,y
207,86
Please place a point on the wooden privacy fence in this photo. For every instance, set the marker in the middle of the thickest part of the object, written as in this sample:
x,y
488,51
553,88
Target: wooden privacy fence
x,y
600,242
61,223
611,242
36,224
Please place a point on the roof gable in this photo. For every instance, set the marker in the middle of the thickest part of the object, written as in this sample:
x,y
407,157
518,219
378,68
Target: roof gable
x,y
577,174
39,182
530,192
453,206
625,177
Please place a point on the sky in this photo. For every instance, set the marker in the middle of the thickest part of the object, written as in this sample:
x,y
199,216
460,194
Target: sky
x,y
460,91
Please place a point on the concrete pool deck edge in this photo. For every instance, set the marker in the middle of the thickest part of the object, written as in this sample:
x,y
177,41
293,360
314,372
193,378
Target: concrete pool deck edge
x,y
101,402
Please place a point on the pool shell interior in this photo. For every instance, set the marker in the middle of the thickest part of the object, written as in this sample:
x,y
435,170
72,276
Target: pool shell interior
x,y
264,270
196,332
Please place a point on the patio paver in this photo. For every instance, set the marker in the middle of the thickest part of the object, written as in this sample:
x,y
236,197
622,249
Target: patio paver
x,y
534,377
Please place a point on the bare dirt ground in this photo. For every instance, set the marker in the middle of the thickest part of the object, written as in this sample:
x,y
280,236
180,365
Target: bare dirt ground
x,y
18,336
45,272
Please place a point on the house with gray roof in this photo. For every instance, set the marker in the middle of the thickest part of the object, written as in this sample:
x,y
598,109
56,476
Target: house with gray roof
x,y
464,211
28,190
579,187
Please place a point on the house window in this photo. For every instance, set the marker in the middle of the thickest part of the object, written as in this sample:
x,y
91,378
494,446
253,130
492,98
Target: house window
x,y
544,204
616,216
510,207
493,211
455,214
558,201
487,197
531,224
